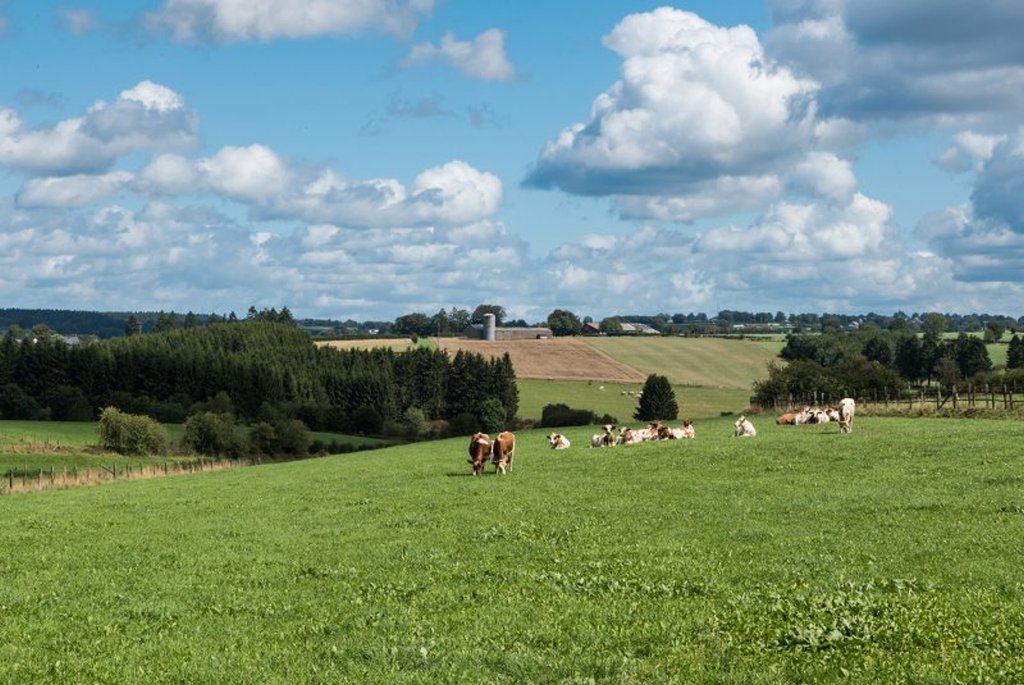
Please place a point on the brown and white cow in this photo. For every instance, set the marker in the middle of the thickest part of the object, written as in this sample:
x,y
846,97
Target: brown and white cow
x,y
479,452
557,441
846,410
503,451
606,439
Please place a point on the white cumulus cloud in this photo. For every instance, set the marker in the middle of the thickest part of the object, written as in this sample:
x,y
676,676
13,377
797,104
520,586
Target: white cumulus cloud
x,y
232,20
482,58
148,117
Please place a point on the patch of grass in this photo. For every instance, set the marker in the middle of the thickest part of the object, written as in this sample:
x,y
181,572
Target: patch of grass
x,y
608,398
711,362
887,555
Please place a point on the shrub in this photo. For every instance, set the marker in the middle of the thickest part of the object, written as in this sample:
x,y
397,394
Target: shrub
x,y
563,415
293,438
415,423
492,414
366,420
213,434
131,433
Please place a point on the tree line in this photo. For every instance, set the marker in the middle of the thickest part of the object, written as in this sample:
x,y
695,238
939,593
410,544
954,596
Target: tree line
x,y
872,361
252,370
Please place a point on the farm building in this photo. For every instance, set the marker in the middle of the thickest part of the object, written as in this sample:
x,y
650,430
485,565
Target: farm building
x,y
488,331
593,328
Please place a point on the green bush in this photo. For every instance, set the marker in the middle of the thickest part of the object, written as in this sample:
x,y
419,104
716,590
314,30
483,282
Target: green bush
x,y
214,434
564,415
131,433
492,415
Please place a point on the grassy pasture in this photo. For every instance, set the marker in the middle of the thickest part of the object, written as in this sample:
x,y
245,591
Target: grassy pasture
x,y
888,555
607,398
712,362
27,446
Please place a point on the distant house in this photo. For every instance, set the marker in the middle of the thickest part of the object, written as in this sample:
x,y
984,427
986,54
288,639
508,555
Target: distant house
x,y
638,329
627,329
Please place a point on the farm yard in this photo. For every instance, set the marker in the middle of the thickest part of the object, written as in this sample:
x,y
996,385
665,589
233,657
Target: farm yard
x,y
887,555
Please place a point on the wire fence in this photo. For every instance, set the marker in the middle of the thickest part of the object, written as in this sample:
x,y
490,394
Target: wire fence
x,y
1006,397
29,479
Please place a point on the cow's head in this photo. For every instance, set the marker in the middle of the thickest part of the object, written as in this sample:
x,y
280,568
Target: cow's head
x,y
479,452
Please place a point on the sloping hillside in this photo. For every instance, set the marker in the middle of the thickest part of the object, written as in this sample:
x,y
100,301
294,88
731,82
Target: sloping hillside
x,y
554,358
715,362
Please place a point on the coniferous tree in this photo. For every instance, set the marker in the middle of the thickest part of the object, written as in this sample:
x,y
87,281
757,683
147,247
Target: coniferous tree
x,y
1015,353
658,400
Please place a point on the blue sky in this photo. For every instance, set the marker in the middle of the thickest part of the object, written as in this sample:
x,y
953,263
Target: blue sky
x,y
358,159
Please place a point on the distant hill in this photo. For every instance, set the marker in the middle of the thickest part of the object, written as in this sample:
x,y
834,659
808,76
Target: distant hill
x,y
67,322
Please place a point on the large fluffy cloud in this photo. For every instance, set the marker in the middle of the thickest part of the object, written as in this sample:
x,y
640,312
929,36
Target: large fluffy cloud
x,y
700,117
231,20
940,60
148,117
983,239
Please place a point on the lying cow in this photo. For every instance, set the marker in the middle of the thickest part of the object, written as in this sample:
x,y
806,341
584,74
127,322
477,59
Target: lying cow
x,y
503,451
479,452
846,410
744,428
628,436
557,441
606,439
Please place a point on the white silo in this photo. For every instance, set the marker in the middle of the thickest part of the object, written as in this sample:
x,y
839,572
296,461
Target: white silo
x,y
489,327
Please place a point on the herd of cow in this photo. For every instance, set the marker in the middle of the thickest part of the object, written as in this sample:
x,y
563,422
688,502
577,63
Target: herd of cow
x,y
501,450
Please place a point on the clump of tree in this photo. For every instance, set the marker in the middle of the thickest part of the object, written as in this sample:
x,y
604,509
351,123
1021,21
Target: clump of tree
x,y
131,434
928,357
239,368
657,400
563,322
554,415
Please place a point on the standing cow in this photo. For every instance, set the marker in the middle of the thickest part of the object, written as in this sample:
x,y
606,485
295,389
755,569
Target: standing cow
x,y
503,451
479,452
846,410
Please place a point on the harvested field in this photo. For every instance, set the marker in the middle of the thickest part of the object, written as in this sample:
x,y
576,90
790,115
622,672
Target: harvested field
x,y
554,358
396,344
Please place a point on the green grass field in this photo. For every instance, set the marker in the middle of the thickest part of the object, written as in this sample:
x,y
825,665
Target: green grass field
x,y
28,446
711,362
607,398
888,555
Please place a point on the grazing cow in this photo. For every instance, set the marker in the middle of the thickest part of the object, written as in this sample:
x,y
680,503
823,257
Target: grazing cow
x,y
744,428
606,439
503,451
846,410
479,452
557,441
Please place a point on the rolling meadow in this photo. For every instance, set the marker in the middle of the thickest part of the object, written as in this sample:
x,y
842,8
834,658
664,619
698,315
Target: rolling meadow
x,y
799,555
